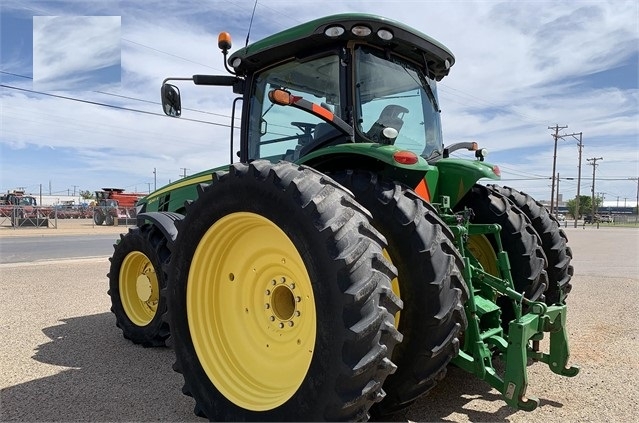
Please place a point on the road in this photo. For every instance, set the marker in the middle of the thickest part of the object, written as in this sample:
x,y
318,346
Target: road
x,y
63,359
36,248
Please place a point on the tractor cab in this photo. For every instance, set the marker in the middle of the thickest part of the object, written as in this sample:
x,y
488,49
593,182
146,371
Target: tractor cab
x,y
349,79
377,97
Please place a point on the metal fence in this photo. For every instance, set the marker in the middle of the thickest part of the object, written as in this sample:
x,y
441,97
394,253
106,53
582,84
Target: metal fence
x,y
25,216
48,216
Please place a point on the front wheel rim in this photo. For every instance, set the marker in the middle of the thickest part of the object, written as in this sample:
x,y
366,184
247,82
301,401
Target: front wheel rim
x,y
251,311
481,248
139,288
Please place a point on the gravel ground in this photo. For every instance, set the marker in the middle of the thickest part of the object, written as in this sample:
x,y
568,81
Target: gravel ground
x,y
63,359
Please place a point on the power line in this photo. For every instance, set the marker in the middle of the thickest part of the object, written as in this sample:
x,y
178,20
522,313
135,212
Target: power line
x,y
130,98
96,103
169,54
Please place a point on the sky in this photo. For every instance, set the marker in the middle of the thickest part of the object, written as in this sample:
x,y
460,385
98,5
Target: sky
x,y
80,83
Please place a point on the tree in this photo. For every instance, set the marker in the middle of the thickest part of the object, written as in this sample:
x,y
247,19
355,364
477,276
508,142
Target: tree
x,y
87,195
585,205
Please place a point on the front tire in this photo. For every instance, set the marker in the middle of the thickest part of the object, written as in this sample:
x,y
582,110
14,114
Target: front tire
x,y
136,283
519,240
98,217
280,299
429,282
553,241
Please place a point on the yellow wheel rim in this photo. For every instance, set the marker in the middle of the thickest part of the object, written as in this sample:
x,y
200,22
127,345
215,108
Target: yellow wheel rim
x,y
251,311
394,286
482,249
139,289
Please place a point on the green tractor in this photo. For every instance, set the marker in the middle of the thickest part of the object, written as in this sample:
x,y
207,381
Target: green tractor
x,y
346,260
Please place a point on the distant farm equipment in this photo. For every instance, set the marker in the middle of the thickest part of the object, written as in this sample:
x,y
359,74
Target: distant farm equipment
x,y
114,206
23,210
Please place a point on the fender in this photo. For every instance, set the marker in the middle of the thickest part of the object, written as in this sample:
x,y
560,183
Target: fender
x,y
370,156
457,176
165,221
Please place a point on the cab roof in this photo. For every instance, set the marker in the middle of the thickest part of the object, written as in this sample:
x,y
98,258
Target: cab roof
x,y
299,40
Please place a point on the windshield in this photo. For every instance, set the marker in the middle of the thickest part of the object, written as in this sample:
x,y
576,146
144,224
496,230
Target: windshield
x,y
397,104
27,201
277,132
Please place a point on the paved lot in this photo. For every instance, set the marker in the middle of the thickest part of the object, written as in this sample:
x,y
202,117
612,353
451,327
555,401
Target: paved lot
x,y
63,359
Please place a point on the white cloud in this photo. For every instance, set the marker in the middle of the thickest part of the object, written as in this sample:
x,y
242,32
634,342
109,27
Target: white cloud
x,y
69,50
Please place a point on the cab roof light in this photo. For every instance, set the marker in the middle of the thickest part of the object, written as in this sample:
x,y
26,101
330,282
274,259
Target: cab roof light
x,y
361,30
334,31
385,34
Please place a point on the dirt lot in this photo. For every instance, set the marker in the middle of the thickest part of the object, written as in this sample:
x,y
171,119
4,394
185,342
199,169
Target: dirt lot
x,y
63,359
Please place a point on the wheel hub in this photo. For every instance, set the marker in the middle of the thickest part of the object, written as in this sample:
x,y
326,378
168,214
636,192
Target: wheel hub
x,y
281,303
143,288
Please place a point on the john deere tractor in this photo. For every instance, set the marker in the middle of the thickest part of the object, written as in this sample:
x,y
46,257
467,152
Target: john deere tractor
x,y
346,259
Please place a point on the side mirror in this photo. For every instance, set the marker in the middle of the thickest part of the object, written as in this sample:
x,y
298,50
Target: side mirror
x,y
171,103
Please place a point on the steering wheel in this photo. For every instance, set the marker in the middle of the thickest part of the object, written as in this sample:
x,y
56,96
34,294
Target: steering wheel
x,y
306,127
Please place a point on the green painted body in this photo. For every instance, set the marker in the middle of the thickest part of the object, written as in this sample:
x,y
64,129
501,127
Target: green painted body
x,y
172,197
447,181
457,177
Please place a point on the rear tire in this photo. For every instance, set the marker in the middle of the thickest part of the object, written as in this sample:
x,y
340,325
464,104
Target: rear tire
x,y
519,240
264,246
429,283
136,283
553,241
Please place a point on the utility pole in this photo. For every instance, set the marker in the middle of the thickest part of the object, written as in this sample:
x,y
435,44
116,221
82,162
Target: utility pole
x,y
557,203
554,164
637,203
155,180
149,184
184,171
580,145
594,167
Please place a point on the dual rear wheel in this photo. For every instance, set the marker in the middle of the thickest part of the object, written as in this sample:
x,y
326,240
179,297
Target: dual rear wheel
x,y
280,300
